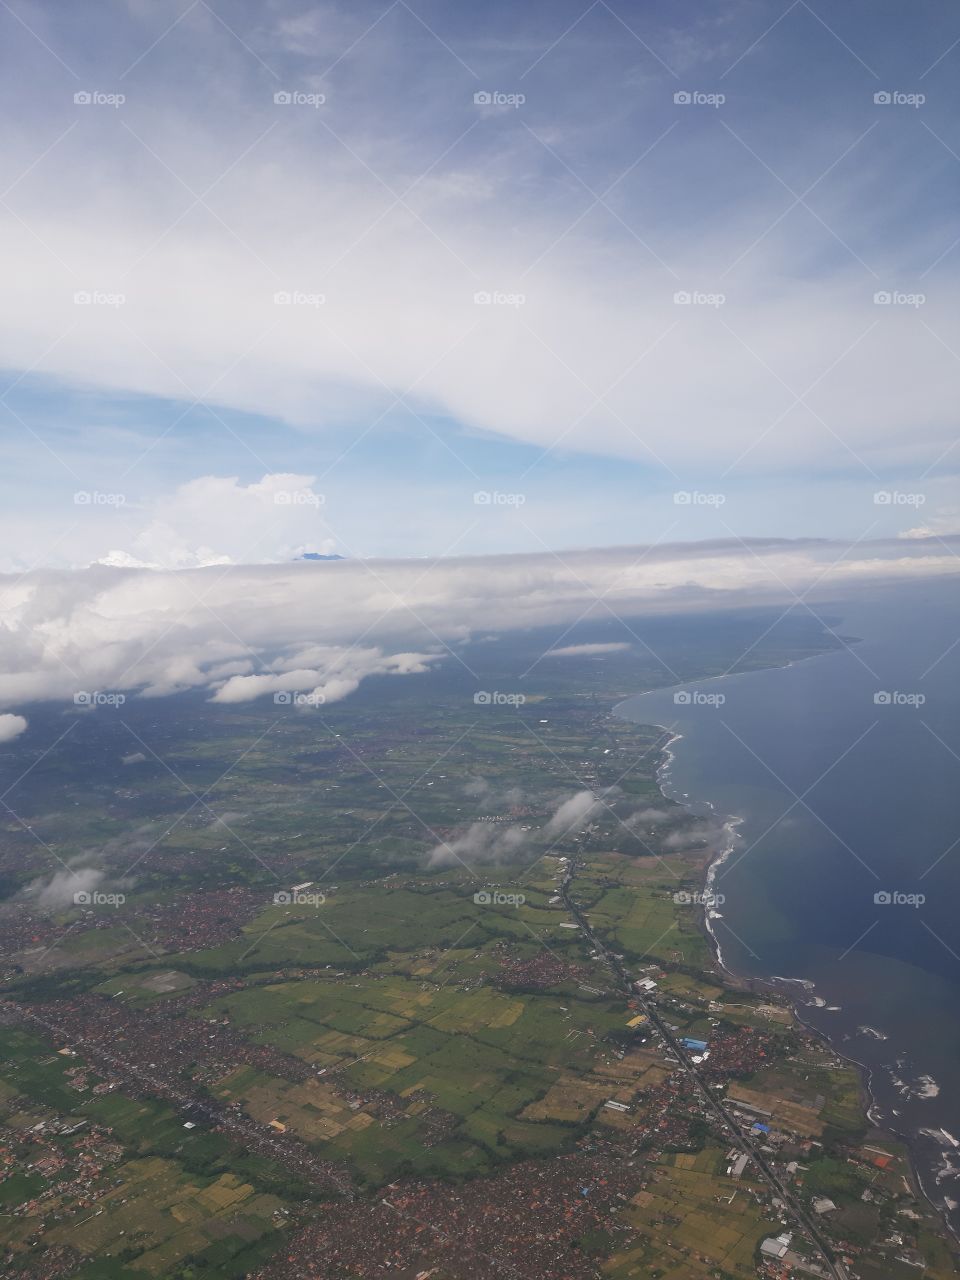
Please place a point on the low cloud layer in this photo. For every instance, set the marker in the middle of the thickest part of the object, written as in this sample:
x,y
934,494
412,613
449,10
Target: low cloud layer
x,y
587,650
338,675
247,631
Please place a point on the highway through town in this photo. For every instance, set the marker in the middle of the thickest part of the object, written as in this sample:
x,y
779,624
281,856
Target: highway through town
x,y
622,980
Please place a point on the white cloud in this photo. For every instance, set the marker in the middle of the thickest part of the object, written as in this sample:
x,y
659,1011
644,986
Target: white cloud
x,y
481,842
941,523
59,890
249,630
217,520
338,678
486,842
11,727
573,815
300,201
586,650
568,363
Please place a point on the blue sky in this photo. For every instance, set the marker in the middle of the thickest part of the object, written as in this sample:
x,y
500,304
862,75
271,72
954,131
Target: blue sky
x,y
584,200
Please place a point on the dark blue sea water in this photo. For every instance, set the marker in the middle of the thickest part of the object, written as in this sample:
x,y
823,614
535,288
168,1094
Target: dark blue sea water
x,y
845,868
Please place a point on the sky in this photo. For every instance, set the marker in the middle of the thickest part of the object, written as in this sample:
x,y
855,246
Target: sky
x,y
346,158
425,280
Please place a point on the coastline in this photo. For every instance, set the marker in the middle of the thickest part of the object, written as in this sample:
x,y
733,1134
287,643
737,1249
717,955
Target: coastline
x,y
774,983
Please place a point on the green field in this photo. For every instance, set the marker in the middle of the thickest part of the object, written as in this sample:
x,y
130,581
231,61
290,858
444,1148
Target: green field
x,y
131,1214
402,1025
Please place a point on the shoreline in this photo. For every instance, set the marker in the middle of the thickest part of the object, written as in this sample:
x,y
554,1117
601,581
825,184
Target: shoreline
x,y
774,983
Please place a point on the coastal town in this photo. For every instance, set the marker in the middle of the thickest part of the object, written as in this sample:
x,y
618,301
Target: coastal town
x,y
386,1059
679,1128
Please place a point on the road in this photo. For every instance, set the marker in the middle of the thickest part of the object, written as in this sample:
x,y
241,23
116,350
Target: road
x,y
290,1155
623,983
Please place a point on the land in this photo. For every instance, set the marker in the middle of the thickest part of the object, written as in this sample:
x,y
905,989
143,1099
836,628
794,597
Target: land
x,y
366,1006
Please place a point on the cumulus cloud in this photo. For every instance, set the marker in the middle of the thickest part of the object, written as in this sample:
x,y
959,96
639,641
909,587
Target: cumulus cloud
x,y
339,677
694,836
648,817
251,630
942,523
491,842
480,789
11,727
228,819
58,892
573,815
216,520
482,842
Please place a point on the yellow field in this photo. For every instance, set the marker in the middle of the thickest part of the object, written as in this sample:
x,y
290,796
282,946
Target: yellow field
x,y
312,1110
693,1220
792,1115
156,1208
570,1098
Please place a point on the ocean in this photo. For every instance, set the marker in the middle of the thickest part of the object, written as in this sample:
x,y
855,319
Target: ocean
x,y
840,872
